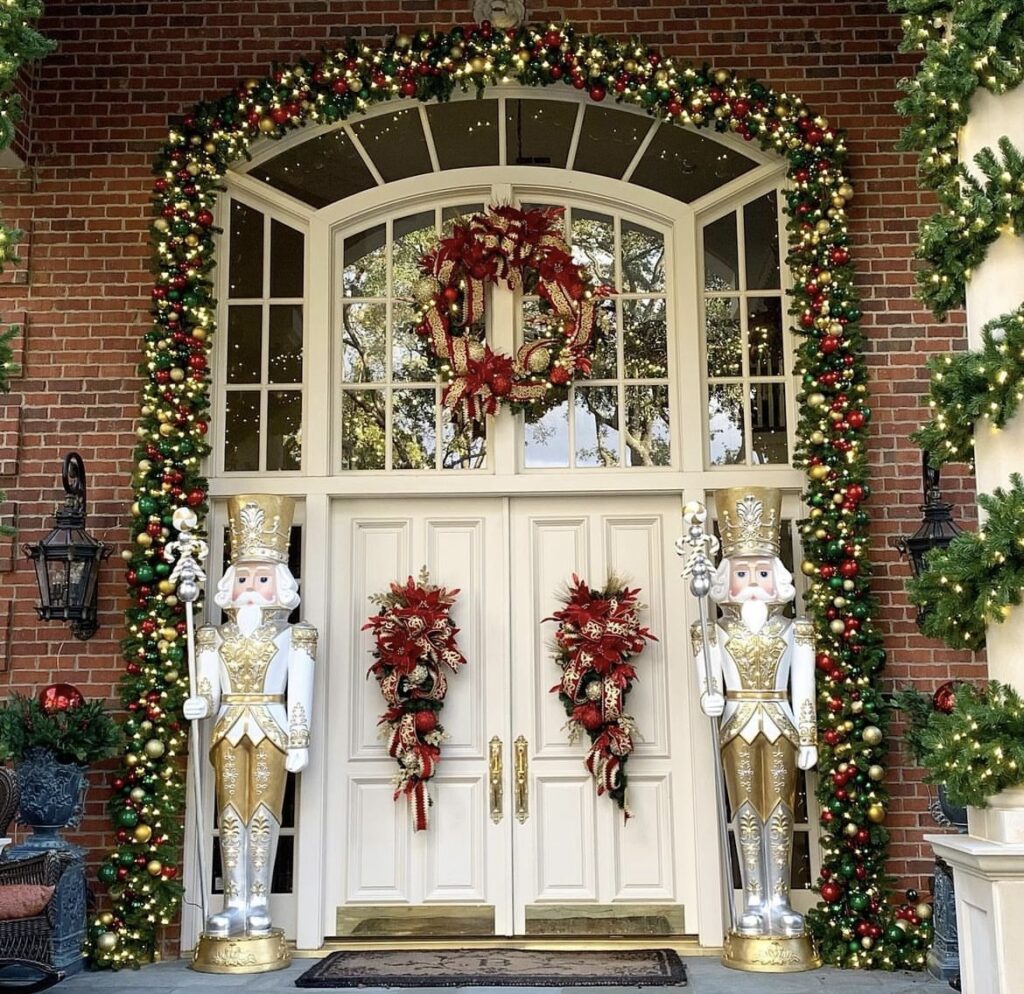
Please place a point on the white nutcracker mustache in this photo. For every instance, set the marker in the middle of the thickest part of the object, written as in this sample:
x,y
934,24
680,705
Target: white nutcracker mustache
x,y
752,594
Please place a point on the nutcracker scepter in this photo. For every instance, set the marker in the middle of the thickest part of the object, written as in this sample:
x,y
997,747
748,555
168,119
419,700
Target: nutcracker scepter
x,y
698,547
188,574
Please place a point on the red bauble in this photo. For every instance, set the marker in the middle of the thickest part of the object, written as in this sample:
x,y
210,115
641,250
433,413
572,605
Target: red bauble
x,y
559,376
839,256
501,385
944,698
831,891
855,419
589,716
60,697
829,344
849,569
598,93
426,721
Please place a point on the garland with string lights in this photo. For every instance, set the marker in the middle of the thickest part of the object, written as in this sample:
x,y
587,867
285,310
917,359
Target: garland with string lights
x,y
20,43
967,45
978,577
854,924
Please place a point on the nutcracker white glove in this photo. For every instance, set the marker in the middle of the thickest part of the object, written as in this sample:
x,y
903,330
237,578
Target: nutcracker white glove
x,y
297,760
196,708
712,704
807,758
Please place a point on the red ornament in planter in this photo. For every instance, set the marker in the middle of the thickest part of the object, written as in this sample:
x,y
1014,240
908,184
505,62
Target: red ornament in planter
x,y
944,699
60,697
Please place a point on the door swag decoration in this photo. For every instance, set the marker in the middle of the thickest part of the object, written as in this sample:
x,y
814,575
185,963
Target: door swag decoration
x,y
415,640
499,246
599,632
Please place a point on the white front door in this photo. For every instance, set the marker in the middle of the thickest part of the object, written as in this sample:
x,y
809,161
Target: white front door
x,y
556,858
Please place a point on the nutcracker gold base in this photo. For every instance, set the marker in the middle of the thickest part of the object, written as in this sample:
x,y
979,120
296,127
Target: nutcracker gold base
x,y
769,953
241,953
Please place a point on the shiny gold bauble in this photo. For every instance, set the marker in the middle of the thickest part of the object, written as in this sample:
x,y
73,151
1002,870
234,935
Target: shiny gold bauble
x,y
816,400
837,626
850,830
154,868
106,942
144,539
817,438
425,289
165,587
818,472
872,735
267,125
154,749
355,85
808,568
845,191
106,918
142,833
138,795
131,759
540,360
594,690
923,911
478,63
876,772
876,813
476,351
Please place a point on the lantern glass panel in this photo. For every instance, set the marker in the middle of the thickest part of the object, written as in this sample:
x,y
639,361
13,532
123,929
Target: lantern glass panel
x,y
57,582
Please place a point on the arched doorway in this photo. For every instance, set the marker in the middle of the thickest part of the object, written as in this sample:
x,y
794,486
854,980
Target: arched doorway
x,y
323,397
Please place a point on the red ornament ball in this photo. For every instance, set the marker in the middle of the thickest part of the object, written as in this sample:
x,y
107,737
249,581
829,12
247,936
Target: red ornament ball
x,y
831,891
559,376
60,697
944,699
426,721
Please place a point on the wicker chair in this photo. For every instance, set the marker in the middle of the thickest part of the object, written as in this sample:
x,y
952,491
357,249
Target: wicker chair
x,y
26,948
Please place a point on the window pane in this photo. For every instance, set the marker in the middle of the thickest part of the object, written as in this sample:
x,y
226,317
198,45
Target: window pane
x,y
286,260
721,257
643,259
465,449
242,430
413,235
725,424
647,426
682,164
363,342
608,140
465,133
414,435
722,336
396,144
285,365
362,429
593,244
538,132
284,430
645,339
409,357
319,171
605,359
597,426
761,241
800,877
284,866
764,336
245,262
547,439
365,262
245,343
768,423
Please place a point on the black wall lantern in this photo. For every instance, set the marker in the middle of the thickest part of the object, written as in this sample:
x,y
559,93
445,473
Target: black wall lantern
x,y
68,560
937,529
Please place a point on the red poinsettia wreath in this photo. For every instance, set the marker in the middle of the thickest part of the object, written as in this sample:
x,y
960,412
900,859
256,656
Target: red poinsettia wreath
x,y
599,632
498,246
415,639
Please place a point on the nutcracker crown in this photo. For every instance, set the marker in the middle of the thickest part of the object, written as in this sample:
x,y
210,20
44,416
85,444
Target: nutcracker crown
x,y
260,526
749,519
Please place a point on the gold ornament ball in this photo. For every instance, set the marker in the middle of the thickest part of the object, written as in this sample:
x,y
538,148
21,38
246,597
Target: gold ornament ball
x,y
872,735
138,795
818,472
851,830
845,191
425,289
837,626
867,942
106,919
876,772
876,814
923,911
594,690
902,924
808,568
267,125
477,63
154,868
355,85
540,360
476,351
154,748
106,942
131,759
142,833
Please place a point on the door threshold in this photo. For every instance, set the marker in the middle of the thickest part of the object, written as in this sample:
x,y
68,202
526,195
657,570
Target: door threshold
x,y
685,945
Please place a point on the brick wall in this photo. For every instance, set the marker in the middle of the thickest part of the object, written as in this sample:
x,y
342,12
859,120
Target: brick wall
x,y
100,109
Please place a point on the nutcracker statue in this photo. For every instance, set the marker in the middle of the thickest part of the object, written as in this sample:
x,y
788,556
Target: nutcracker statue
x,y
255,675
756,677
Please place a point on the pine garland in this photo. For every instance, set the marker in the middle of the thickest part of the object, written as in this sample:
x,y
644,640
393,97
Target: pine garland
x,y
979,576
967,387
976,749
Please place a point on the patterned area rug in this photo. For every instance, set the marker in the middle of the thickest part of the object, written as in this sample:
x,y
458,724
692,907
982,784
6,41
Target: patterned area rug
x,y
498,968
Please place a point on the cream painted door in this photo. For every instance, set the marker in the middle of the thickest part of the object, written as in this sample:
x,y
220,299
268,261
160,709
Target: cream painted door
x,y
577,865
386,877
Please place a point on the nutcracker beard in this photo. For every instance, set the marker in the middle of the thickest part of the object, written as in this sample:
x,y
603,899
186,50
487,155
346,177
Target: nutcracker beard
x,y
753,604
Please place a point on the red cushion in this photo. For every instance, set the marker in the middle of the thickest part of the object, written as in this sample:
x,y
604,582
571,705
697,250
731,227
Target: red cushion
x,y
23,900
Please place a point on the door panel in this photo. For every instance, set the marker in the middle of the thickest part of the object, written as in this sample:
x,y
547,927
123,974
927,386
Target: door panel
x,y
575,848
462,858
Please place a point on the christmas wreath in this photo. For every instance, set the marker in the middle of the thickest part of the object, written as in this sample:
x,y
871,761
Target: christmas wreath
x,y
415,639
499,246
599,632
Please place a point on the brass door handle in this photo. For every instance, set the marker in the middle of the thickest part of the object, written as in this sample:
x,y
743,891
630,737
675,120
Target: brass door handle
x,y
496,778
522,780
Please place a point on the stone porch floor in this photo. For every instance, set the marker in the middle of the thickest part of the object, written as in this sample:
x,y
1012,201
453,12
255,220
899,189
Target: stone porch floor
x,y
706,974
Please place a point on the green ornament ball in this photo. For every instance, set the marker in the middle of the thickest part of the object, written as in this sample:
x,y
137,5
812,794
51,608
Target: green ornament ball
x,y
127,818
107,874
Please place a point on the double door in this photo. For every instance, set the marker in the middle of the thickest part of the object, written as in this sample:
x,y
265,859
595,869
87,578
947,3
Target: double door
x,y
519,843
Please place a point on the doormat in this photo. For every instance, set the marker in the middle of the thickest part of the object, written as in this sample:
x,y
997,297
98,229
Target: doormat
x,y
498,968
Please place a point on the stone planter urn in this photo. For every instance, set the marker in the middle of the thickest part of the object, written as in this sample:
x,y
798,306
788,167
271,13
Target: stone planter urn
x,y
52,798
1003,819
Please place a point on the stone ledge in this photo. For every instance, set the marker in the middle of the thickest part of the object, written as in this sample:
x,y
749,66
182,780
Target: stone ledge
x,y
984,858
